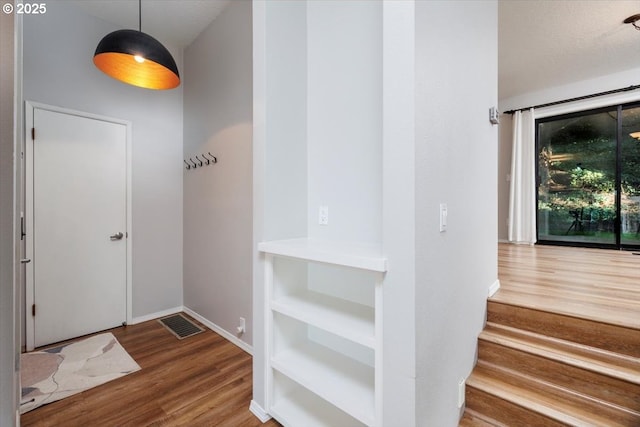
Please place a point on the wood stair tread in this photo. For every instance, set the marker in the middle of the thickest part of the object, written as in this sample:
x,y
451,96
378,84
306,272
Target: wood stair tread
x,y
472,418
600,312
554,369
586,331
573,300
605,362
548,400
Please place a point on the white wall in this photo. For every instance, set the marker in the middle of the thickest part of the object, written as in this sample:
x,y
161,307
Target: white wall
x,y
618,80
58,70
456,163
9,295
344,119
399,213
284,95
218,198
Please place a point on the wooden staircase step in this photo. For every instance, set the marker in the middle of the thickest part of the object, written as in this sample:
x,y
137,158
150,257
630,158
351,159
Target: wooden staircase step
x,y
616,310
562,342
507,396
483,401
472,418
599,361
602,375
613,338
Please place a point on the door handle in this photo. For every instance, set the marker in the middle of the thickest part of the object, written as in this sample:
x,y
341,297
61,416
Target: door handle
x,y
25,261
117,236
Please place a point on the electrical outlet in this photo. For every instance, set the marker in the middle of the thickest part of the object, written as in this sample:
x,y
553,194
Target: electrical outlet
x,y
242,328
323,215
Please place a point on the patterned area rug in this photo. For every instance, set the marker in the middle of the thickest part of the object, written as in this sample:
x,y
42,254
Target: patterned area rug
x,y
59,372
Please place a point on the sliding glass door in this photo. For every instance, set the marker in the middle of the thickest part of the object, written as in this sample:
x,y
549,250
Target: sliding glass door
x,y
630,177
589,178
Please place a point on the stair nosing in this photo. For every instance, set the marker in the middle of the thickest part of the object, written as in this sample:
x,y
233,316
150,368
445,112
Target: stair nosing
x,y
496,387
497,300
484,418
558,387
556,340
563,355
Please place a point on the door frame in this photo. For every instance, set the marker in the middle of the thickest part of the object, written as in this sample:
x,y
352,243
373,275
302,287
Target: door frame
x,y
28,215
617,107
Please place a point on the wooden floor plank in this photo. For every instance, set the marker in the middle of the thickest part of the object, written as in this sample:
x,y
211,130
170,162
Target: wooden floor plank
x,y
203,380
596,284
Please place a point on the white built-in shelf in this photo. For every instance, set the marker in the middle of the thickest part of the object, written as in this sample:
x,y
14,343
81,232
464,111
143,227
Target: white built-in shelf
x,y
338,379
343,318
300,407
349,254
320,379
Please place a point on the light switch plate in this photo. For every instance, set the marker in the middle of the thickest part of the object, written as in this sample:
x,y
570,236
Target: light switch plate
x,y
443,217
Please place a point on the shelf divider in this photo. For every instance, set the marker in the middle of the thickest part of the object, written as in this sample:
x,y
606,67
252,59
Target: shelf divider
x,y
340,380
345,319
349,254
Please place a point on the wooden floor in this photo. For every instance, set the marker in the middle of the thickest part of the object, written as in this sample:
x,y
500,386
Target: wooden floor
x,y
561,346
602,285
203,380
207,381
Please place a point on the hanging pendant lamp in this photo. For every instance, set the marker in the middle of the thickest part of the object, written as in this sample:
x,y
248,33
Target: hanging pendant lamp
x,y
137,58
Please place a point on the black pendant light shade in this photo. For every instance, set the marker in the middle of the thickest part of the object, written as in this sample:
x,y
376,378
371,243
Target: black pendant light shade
x,y
138,59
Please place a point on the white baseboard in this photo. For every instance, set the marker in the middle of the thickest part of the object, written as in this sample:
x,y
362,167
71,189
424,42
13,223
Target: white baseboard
x,y
209,324
259,412
235,340
156,315
494,287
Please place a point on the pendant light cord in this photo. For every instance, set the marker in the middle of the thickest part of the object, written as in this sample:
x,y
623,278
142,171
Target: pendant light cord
x,y
140,15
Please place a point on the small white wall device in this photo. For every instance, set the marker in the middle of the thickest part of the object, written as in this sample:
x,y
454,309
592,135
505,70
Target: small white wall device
x,y
494,116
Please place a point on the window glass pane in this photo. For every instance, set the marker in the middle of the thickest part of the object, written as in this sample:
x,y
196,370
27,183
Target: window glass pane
x,y
577,178
630,178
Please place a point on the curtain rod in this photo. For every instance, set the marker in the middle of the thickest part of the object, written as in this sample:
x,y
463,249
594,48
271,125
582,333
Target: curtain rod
x,y
579,98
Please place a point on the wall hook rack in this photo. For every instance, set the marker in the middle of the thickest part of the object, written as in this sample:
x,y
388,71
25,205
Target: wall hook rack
x,y
200,161
213,158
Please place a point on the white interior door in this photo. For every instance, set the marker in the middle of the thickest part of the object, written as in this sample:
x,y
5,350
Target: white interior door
x,y
79,225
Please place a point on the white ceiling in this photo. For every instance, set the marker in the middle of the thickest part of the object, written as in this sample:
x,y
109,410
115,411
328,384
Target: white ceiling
x,y
550,43
542,43
176,22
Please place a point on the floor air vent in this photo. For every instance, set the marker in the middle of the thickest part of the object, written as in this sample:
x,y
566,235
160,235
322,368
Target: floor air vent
x,y
180,326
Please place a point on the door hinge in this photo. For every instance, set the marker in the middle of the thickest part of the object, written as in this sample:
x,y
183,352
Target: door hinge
x,y
33,134
33,310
